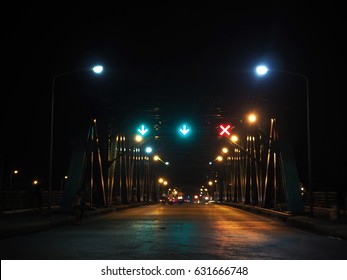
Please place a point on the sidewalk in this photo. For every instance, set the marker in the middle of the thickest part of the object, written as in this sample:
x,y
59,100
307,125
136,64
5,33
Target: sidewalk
x,y
26,221
324,221
20,222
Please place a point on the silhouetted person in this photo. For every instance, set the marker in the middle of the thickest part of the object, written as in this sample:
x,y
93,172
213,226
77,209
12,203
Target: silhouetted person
x,y
78,206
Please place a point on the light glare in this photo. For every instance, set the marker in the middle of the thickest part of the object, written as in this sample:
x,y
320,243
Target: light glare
x,y
261,70
138,138
234,138
149,150
252,118
98,69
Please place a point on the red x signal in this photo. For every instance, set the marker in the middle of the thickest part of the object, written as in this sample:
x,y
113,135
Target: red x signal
x,y
225,129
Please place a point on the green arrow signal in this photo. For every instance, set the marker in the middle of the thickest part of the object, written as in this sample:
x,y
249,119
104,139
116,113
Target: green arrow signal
x,y
142,130
184,130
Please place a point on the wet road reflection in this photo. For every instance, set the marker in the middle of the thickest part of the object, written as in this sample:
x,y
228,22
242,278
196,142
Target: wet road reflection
x,y
187,231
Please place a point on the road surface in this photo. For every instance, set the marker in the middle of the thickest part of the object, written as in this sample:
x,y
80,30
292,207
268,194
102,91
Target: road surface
x,y
174,232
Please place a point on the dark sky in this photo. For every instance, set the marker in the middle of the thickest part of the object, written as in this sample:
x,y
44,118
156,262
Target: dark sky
x,y
168,53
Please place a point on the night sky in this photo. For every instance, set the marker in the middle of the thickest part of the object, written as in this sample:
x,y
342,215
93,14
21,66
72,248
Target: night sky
x,y
171,54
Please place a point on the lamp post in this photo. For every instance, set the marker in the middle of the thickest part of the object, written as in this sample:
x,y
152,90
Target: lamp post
x,y
14,172
63,180
96,69
162,193
262,70
156,158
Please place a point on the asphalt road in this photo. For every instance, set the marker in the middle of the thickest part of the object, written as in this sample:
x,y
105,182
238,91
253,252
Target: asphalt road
x,y
174,232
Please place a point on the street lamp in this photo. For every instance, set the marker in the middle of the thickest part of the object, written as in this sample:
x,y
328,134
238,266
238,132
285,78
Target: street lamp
x,y
262,70
162,182
149,150
218,158
63,180
252,118
14,172
156,158
96,69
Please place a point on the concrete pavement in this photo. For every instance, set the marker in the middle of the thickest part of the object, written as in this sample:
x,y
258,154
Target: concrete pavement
x,y
26,221
13,223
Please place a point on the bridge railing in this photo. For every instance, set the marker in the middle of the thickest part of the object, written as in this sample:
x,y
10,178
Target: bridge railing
x,y
21,199
324,199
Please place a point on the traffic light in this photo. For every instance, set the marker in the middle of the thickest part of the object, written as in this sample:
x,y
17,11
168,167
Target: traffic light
x,y
225,129
142,130
184,130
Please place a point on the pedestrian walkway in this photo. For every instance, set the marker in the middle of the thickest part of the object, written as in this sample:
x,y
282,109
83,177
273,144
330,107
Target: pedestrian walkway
x,y
20,222
324,221
25,221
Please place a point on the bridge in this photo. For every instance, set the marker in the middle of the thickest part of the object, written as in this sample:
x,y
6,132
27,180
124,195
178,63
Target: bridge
x,y
257,169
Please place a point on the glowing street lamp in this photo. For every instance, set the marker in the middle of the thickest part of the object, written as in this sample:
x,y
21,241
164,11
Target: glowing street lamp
x,y
97,70
138,138
162,182
63,180
234,138
157,158
252,118
149,150
218,158
262,70
13,173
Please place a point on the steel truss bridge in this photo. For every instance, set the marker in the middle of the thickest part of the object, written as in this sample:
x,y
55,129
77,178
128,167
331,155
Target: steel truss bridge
x,y
259,169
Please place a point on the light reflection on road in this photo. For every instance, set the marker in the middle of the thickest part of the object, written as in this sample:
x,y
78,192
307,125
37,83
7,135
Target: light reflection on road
x,y
188,231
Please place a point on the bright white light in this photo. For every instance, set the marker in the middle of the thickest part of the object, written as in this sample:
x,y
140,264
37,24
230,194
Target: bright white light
x,y
261,70
149,150
98,69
